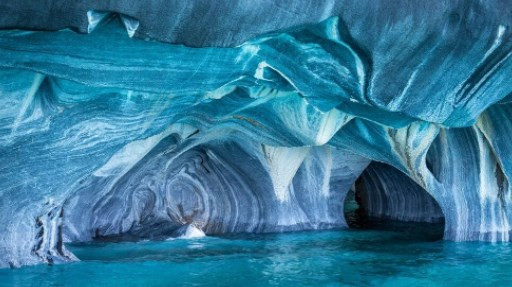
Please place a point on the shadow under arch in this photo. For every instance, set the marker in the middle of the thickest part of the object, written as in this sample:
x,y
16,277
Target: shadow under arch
x,y
385,198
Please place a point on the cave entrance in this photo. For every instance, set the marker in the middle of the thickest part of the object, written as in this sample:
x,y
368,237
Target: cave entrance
x,y
384,198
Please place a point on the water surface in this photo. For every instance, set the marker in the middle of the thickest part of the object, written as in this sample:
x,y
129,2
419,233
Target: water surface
x,y
387,255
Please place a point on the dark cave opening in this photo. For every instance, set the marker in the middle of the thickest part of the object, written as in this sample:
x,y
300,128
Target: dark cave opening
x,y
385,199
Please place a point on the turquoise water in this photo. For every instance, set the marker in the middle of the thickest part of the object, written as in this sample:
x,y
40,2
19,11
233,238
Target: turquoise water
x,y
403,255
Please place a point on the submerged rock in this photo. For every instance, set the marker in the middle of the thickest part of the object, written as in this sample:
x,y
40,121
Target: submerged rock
x,y
189,232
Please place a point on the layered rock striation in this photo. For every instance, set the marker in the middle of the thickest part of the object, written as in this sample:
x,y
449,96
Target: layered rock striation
x,y
136,120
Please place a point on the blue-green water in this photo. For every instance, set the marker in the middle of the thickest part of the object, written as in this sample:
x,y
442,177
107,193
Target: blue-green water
x,y
407,255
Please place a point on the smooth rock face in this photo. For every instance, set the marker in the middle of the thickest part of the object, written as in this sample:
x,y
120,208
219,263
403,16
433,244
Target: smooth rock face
x,y
265,128
219,187
385,192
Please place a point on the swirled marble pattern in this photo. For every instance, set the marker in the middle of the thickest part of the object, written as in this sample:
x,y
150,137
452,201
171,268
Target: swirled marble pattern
x,y
121,131
385,192
220,188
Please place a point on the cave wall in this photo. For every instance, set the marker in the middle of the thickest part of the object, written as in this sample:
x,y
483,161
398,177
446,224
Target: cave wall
x,y
259,128
384,192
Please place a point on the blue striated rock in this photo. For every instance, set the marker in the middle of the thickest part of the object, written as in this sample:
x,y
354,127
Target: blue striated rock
x,y
261,128
385,192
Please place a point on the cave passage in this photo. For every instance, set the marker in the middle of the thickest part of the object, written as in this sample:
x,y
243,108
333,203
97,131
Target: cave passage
x,y
385,199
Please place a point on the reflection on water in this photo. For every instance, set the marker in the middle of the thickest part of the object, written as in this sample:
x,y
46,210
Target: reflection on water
x,y
393,255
